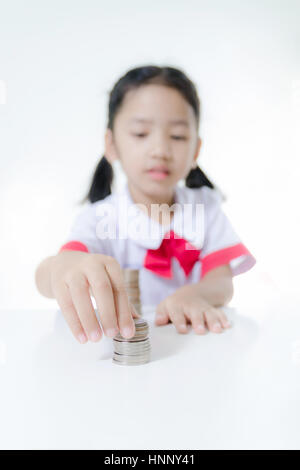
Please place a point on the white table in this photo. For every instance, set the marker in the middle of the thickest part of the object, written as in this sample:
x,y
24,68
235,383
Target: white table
x,y
235,390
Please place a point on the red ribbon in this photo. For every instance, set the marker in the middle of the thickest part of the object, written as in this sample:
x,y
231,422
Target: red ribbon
x,y
159,260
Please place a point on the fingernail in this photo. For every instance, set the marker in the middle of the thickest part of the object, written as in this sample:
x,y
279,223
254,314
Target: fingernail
x,y
127,332
111,332
200,327
182,326
160,316
226,323
217,326
95,336
82,338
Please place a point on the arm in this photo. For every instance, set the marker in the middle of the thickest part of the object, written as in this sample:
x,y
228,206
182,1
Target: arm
x,y
42,277
216,287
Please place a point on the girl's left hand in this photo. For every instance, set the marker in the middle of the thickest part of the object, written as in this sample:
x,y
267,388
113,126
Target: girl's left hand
x,y
187,306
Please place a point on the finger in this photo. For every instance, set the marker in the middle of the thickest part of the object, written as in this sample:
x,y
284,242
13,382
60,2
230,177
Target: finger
x,y
162,317
124,311
198,321
178,318
104,298
223,319
211,317
135,313
79,290
64,300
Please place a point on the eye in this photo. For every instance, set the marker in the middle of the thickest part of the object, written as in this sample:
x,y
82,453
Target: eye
x,y
176,137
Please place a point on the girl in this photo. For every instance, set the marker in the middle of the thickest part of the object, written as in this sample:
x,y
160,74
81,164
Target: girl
x,y
152,130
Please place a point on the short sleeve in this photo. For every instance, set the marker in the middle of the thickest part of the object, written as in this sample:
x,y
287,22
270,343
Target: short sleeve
x,y
221,245
83,233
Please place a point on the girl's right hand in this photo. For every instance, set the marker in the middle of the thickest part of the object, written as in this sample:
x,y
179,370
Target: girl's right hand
x,y
74,275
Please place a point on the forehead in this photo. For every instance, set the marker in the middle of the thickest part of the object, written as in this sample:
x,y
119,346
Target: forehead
x,y
153,102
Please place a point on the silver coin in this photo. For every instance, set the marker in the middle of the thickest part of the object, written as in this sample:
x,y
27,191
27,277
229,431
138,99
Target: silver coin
x,y
132,349
133,345
135,338
139,344
130,359
131,363
125,364
119,359
134,355
139,341
140,322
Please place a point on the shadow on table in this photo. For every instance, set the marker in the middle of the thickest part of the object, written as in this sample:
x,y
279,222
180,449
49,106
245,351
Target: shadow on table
x,y
61,347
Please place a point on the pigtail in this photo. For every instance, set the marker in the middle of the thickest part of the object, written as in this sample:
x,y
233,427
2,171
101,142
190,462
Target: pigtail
x,y
102,180
197,178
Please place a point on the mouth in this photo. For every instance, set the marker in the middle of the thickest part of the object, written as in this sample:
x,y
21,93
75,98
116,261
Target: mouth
x,y
158,173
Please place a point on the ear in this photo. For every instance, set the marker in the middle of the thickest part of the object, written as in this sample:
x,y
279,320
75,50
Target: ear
x,y
199,143
110,151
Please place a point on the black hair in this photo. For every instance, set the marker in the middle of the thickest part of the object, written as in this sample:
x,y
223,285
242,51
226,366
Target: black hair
x,y
168,76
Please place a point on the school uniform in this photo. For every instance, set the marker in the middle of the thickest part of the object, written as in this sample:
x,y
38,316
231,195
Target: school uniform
x,y
199,238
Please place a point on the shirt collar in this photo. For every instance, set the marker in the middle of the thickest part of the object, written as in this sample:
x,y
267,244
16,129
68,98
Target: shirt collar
x,y
187,221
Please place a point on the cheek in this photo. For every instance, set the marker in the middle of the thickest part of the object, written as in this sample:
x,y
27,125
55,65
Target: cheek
x,y
183,160
133,162
189,153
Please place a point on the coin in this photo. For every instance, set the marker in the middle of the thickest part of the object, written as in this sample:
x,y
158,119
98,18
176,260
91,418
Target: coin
x,y
131,281
137,349
130,360
132,348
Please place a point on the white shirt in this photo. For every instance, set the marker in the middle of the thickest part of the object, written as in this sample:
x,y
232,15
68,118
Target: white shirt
x,y
117,227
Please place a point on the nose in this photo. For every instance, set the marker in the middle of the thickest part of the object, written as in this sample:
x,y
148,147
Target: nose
x,y
161,149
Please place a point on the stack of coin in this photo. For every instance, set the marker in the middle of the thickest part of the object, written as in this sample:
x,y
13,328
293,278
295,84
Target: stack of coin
x,y
131,279
135,350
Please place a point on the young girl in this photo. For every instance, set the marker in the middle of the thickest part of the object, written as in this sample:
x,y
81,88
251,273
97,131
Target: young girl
x,y
153,121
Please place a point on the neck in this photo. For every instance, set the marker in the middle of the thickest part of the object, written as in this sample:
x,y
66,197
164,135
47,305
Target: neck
x,y
167,200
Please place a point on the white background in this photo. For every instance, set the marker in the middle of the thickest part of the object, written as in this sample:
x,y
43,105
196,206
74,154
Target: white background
x,y
58,62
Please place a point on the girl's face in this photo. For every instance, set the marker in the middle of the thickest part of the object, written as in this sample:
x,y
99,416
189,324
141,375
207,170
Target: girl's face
x,y
155,139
